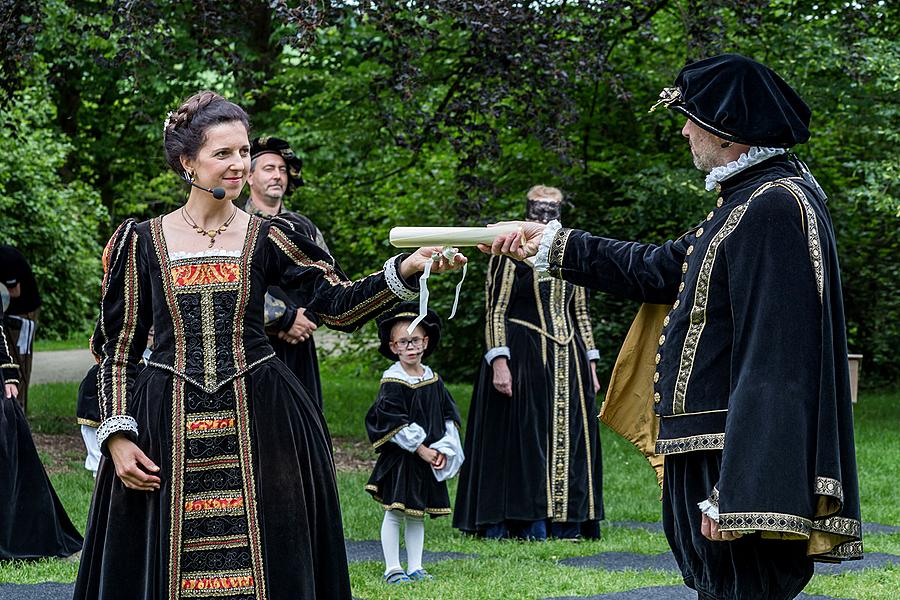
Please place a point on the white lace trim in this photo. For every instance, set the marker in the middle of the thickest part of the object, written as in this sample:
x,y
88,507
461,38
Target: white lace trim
x,y
396,372
541,259
755,155
395,282
493,353
709,509
179,255
113,424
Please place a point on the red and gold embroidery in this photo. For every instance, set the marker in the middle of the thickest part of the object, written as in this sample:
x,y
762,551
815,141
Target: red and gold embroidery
x,y
217,504
205,274
225,582
210,424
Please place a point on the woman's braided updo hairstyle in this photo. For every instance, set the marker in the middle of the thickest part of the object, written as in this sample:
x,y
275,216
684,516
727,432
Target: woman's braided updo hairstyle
x,y
184,132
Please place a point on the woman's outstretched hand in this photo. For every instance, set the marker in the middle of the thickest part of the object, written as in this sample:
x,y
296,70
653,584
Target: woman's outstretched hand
x,y
519,245
415,262
133,467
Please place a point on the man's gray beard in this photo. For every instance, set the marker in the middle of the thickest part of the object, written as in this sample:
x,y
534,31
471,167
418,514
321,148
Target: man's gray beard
x,y
704,163
273,200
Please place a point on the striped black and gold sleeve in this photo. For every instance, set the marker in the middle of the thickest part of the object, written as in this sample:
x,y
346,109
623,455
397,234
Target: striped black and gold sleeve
x,y
499,285
297,262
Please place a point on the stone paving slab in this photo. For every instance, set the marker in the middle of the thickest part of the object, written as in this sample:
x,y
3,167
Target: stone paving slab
x,y
370,550
870,560
39,591
671,592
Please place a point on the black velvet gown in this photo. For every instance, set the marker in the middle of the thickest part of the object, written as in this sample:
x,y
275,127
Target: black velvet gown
x,y
33,522
248,506
401,480
534,458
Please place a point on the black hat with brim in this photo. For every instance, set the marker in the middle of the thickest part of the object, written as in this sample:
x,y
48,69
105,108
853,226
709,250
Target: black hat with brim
x,y
272,145
408,311
741,101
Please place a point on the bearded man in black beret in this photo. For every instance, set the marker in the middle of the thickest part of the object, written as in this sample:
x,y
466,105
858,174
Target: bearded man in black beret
x,y
275,172
747,374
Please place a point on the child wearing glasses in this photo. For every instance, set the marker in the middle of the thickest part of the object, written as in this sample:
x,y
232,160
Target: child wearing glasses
x,y
413,426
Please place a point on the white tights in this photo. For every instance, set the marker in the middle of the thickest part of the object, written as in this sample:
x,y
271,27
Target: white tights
x,y
390,541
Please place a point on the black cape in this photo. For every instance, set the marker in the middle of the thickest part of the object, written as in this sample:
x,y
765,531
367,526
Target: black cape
x,y
751,367
401,480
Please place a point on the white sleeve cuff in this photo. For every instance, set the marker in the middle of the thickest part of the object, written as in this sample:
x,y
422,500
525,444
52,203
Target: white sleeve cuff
x,y
493,353
593,354
410,437
115,424
542,258
451,447
710,506
396,283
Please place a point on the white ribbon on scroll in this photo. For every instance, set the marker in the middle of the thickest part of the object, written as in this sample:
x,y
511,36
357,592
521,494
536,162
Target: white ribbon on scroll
x,y
450,255
416,237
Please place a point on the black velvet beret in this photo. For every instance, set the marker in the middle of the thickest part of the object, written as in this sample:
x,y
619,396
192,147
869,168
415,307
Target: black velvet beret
x,y
408,311
739,100
272,145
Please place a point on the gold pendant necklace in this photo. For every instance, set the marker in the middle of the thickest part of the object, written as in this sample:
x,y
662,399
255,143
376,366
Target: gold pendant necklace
x,y
210,233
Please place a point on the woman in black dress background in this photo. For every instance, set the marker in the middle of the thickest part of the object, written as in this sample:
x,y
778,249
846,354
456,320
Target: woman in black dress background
x,y
33,522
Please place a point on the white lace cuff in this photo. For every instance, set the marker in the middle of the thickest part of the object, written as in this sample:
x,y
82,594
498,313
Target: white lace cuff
x,y
114,424
542,258
396,283
593,354
710,506
493,353
410,437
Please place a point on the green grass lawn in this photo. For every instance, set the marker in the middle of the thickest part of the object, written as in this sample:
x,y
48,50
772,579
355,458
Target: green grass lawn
x,y
507,569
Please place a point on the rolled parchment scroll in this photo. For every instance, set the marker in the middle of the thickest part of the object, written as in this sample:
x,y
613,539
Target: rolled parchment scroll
x,y
415,237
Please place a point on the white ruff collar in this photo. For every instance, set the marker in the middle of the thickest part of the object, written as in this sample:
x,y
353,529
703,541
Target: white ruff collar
x,y
396,372
754,155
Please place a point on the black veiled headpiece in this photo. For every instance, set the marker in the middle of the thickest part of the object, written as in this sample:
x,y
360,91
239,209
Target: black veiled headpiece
x,y
272,145
739,100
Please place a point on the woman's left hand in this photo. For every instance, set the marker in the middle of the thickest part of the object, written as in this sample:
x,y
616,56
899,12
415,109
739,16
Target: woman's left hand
x,y
415,262
10,390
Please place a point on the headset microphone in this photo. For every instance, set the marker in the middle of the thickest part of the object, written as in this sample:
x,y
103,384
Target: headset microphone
x,y
217,193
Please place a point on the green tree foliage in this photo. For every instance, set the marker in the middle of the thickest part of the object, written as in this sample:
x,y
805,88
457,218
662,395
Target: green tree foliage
x,y
52,222
446,112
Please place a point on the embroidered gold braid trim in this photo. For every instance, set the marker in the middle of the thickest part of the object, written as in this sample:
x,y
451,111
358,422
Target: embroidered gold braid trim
x,y
765,521
846,551
698,311
710,441
583,318
560,440
423,383
825,486
245,452
119,359
587,436
388,437
373,304
839,525
300,258
812,232
402,507
558,251
497,307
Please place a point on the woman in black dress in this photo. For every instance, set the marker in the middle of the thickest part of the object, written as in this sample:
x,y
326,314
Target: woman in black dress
x,y
221,482
33,522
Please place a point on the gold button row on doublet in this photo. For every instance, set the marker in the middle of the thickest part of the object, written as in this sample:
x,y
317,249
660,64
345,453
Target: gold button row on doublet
x,y
699,232
720,202
656,397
